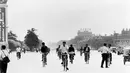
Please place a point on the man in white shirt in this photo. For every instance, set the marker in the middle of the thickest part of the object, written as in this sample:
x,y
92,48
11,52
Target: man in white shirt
x,y
105,55
3,53
64,53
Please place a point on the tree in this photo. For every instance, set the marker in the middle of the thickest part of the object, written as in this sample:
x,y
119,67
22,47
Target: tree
x,y
31,39
12,36
12,41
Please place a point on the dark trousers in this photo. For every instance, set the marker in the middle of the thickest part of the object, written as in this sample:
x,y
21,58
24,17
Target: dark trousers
x,y
110,57
86,56
104,59
44,57
3,67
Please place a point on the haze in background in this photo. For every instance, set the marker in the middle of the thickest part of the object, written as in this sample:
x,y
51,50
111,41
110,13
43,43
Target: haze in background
x,y
61,19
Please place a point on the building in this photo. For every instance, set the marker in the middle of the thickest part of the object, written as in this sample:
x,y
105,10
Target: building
x,y
3,21
86,33
122,39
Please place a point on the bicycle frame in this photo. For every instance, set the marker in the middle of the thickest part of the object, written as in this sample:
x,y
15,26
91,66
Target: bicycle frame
x,y
64,61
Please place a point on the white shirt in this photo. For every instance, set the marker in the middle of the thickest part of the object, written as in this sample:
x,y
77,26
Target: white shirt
x,y
110,49
18,49
104,49
3,53
64,49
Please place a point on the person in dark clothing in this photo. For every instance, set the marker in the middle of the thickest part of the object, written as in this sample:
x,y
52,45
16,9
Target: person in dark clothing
x,y
87,53
58,52
71,52
57,49
45,51
110,54
105,55
81,51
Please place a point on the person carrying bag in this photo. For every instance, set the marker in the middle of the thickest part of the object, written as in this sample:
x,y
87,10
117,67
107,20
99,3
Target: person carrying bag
x,y
4,59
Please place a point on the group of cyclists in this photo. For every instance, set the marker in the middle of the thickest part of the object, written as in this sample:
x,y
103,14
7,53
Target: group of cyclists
x,y
67,53
63,52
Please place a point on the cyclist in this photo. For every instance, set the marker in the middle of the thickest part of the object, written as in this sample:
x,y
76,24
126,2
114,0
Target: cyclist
x,y
18,52
58,52
44,51
81,51
87,53
71,53
64,54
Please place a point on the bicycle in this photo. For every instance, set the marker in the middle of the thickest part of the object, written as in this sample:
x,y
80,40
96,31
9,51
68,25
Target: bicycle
x,y
87,56
71,56
65,61
18,55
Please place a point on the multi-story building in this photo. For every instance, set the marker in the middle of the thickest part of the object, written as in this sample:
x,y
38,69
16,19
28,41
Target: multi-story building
x,y
122,39
86,33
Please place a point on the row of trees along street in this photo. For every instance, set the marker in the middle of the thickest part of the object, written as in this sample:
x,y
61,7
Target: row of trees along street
x,y
31,41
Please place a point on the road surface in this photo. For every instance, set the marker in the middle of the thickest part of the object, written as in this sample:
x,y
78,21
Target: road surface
x,y
31,63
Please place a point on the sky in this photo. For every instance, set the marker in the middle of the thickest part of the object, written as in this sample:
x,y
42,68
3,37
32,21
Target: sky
x,y
61,19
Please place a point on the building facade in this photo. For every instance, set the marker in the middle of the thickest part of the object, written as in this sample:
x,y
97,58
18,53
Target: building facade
x,y
122,39
3,21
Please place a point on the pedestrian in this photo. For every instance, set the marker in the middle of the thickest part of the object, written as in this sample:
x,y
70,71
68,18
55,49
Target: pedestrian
x,y
86,53
4,54
110,54
105,54
44,50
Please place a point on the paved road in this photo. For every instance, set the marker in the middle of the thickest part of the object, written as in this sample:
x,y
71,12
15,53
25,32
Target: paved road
x,y
31,63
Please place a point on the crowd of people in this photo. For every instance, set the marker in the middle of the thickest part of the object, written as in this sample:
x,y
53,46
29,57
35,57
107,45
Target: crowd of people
x,y
64,52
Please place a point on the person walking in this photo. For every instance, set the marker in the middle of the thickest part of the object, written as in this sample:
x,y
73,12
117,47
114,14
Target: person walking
x,y
110,53
105,55
4,63
44,51
86,53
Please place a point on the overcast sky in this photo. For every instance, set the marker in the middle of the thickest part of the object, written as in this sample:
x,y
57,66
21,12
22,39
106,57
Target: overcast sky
x,y
61,19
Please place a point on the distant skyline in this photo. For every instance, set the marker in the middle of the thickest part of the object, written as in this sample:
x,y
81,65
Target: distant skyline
x,y
61,19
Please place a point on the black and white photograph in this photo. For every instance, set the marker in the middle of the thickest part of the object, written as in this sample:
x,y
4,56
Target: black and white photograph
x,y
64,36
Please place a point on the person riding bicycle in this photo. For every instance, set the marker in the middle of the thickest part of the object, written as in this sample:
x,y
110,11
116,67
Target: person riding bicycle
x,y
71,52
58,52
64,53
81,51
87,53
44,51
18,52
